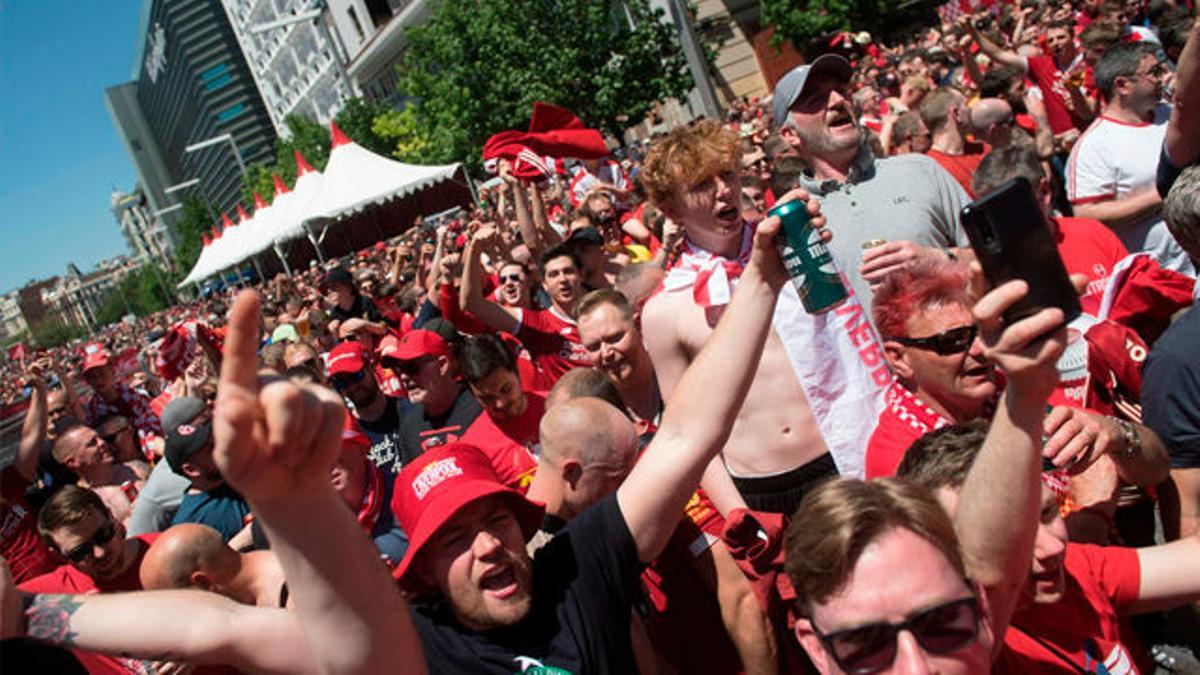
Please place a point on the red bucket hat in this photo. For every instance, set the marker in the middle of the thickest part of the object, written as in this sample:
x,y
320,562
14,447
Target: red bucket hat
x,y
436,486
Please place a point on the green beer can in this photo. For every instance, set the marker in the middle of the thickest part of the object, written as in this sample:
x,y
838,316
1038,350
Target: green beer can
x,y
808,260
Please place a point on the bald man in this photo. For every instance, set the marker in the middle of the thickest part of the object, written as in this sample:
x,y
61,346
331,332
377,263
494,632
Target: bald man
x,y
191,555
81,449
705,617
992,122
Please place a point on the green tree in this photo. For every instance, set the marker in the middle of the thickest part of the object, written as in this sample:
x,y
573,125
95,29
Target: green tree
x,y
307,136
52,333
139,293
475,68
193,222
357,118
803,21
404,135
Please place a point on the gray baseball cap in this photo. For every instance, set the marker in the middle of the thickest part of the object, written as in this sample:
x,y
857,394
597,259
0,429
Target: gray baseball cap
x,y
790,86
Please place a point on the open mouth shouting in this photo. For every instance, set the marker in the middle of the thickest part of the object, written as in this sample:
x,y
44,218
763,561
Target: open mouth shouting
x,y
500,582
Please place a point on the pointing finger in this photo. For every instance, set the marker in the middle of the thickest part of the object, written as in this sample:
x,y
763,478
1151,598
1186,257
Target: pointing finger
x,y
239,367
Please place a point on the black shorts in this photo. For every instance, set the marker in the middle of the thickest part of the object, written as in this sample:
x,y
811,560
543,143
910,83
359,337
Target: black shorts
x,y
781,493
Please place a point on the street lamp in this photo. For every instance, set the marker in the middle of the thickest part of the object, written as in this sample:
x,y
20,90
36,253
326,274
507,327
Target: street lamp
x,y
223,138
314,15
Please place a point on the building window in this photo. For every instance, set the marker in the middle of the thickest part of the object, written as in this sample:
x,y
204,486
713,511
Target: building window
x,y
231,112
354,20
218,82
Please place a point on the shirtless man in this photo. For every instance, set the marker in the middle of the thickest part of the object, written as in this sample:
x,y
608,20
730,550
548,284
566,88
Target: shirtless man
x,y
191,555
85,452
776,451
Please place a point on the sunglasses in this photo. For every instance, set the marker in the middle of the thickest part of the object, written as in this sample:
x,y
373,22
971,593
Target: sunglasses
x,y
411,368
88,548
113,435
347,380
953,341
943,629
515,278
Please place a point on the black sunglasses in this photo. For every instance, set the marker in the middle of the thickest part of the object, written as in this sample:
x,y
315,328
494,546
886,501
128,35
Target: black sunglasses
x,y
411,368
347,380
515,278
113,435
953,341
88,548
943,629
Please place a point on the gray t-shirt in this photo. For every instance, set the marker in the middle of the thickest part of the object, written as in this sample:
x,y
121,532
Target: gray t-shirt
x,y
158,500
902,198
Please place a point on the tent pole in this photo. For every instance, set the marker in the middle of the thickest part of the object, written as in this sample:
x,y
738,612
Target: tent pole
x,y
313,238
257,268
283,259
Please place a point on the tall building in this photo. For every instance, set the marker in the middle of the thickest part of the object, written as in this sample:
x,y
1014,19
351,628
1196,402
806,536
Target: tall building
x,y
191,85
373,33
146,237
12,321
297,62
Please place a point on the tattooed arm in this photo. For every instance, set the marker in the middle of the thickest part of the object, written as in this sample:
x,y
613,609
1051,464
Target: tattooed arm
x,y
191,626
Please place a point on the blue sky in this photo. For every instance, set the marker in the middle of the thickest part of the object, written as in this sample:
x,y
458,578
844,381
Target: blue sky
x,y
60,155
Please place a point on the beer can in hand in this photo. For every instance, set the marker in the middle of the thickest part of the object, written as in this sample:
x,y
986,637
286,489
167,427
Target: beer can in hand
x,y
808,260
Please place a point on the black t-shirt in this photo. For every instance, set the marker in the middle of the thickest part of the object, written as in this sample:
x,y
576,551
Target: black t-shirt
x,y
386,435
362,308
584,580
1171,390
421,432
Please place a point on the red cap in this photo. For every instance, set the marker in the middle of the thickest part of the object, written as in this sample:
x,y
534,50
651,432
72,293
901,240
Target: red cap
x,y
347,357
439,484
413,345
380,246
94,356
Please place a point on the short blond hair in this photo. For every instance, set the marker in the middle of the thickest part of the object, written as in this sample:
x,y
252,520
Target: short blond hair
x,y
688,156
838,520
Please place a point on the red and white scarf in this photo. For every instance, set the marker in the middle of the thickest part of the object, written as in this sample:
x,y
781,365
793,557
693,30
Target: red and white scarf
x,y
835,355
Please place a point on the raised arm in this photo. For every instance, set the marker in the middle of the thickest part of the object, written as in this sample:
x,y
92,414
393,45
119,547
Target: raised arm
x,y
470,295
1183,131
545,234
195,627
998,509
275,443
521,205
698,418
33,431
994,51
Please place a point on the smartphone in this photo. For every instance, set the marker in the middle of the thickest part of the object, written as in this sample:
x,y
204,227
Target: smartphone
x,y
1011,239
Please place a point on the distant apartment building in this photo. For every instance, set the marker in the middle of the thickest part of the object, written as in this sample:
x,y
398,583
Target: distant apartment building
x,y
76,297
147,237
12,321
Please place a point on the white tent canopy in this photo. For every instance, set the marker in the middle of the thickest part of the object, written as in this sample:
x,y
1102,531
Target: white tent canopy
x,y
354,179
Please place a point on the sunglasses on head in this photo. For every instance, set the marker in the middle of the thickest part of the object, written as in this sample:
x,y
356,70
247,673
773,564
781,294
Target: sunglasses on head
x,y
944,629
347,380
88,548
953,341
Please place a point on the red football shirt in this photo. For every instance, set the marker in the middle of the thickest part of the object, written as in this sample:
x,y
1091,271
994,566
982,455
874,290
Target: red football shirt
x,y
510,444
26,553
963,166
1089,248
1045,74
1082,629
553,341
67,579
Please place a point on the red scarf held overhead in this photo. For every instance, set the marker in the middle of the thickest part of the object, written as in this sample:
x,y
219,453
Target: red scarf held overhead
x,y
553,132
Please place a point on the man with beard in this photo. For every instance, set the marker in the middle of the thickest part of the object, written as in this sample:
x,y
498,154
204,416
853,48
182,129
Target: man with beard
x,y
482,610
189,452
507,431
1112,171
907,200
378,415
550,335
442,408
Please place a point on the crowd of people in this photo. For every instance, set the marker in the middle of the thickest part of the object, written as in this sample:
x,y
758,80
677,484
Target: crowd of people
x,y
588,426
